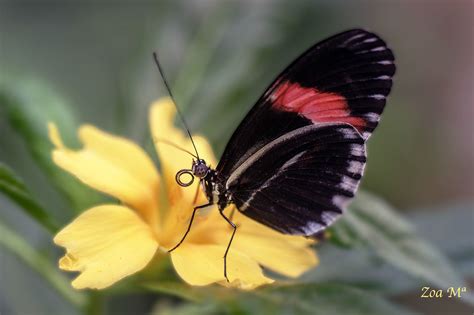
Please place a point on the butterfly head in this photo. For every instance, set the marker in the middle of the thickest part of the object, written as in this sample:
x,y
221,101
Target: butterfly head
x,y
199,169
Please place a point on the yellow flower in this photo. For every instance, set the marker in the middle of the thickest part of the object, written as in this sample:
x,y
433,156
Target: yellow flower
x,y
109,242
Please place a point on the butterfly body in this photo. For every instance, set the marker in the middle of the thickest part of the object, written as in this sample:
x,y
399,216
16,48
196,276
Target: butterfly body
x,y
215,190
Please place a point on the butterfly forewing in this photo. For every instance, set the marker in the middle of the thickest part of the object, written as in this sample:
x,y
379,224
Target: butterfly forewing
x,y
345,78
300,182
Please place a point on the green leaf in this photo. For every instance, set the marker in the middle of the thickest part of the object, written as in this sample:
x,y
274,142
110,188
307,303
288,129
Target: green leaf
x,y
20,247
299,299
374,223
14,188
29,105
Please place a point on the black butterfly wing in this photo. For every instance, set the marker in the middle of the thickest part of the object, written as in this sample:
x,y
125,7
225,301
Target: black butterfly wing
x,y
345,78
300,182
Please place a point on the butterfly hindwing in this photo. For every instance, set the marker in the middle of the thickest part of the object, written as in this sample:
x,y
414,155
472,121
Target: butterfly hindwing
x,y
300,182
343,79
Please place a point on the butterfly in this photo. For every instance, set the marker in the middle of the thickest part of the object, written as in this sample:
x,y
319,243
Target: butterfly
x,y
297,158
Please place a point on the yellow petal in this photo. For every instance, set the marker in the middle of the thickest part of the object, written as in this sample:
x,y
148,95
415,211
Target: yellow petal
x,y
203,264
113,165
288,255
106,244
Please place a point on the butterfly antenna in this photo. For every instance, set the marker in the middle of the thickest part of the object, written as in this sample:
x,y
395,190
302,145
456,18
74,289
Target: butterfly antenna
x,y
174,146
155,56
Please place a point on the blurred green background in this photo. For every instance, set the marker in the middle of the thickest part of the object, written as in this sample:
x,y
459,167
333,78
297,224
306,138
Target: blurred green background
x,y
219,56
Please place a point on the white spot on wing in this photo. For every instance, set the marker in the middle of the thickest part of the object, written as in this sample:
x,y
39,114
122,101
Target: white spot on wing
x,y
376,49
329,217
353,38
381,48
340,201
385,62
357,150
312,227
348,133
384,77
355,167
377,96
372,117
370,40
348,183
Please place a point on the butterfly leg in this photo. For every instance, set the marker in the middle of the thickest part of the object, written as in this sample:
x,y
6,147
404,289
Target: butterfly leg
x,y
232,211
230,242
196,195
190,223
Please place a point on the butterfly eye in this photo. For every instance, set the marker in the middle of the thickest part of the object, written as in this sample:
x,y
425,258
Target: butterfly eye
x,y
184,183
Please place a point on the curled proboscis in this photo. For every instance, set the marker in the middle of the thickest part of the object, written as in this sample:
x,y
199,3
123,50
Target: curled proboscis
x,y
184,183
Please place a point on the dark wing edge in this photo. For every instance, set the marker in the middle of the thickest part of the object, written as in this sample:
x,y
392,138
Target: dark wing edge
x,y
301,182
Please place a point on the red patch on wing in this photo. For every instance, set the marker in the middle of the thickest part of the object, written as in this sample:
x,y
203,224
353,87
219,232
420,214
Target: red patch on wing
x,y
315,105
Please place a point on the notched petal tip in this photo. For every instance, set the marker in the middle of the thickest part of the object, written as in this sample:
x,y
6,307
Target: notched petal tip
x,y
69,263
105,244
